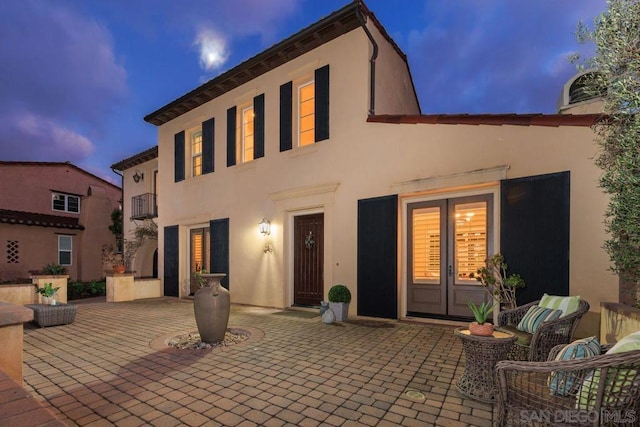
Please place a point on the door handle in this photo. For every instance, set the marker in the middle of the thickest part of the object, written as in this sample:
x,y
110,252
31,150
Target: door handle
x,y
450,270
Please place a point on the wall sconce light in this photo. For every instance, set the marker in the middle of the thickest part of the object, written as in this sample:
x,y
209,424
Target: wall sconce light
x,y
265,227
265,230
139,176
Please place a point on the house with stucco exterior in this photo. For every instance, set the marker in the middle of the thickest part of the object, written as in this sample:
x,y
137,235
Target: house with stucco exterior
x,y
54,213
310,164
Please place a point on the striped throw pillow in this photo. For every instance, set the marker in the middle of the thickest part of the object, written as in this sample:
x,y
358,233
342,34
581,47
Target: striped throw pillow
x,y
563,383
535,316
618,380
568,305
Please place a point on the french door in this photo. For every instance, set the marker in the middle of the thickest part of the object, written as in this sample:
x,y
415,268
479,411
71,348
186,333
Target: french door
x,y
447,240
199,250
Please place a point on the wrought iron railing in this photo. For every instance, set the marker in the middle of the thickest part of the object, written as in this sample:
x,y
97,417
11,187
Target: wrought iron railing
x,y
144,206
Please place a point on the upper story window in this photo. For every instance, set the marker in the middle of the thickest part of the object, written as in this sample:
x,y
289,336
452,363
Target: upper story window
x,y
306,113
196,153
247,145
65,203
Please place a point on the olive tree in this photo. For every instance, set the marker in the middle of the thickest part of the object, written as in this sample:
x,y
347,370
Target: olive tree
x,y
616,35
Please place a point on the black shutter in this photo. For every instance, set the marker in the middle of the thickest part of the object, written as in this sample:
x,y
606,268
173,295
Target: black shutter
x,y
322,103
258,126
378,257
219,253
208,153
534,233
178,156
171,256
231,136
286,116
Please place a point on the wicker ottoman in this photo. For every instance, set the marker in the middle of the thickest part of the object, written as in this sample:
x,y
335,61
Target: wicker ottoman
x,y
52,315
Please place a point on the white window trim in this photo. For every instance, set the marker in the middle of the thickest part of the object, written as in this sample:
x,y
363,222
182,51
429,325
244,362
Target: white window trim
x,y
299,88
70,251
66,202
194,135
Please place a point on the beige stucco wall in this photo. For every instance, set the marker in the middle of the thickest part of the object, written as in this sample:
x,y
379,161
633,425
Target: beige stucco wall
x,y
362,160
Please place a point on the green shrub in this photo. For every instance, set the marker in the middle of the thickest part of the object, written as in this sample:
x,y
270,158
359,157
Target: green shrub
x,y
339,293
54,269
97,288
75,290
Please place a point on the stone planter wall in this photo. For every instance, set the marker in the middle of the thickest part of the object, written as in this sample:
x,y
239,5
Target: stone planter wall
x,y
11,319
617,321
19,294
123,287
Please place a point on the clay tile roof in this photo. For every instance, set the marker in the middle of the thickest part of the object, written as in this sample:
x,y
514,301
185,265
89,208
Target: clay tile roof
x,y
37,219
554,120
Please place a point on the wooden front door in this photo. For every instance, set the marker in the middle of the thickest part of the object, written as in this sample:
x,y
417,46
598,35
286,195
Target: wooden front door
x,y
447,241
308,259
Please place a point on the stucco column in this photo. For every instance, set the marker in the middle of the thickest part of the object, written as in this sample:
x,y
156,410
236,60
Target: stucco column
x,y
11,319
120,287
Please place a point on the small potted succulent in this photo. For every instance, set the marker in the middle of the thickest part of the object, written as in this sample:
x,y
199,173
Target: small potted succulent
x,y
339,299
481,326
49,293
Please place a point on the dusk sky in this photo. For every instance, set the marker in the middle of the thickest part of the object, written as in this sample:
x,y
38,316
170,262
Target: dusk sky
x,y
78,76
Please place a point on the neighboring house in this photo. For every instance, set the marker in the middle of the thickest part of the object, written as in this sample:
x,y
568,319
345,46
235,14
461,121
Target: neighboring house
x,y
322,135
54,212
139,177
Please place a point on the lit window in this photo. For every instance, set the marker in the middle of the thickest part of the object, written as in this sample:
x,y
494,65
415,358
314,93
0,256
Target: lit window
x,y
65,203
306,113
196,153
64,250
247,134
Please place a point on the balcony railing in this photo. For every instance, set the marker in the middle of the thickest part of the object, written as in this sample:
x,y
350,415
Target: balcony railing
x,y
144,206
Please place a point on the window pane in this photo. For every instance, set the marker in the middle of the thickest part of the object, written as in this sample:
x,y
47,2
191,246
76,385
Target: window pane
x,y
197,166
196,146
247,134
58,202
470,238
426,243
64,243
306,114
73,204
64,258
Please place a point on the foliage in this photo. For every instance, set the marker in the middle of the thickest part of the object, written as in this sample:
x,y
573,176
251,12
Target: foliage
x,y
148,230
54,269
616,35
339,293
116,223
74,290
47,290
78,290
497,284
480,313
197,276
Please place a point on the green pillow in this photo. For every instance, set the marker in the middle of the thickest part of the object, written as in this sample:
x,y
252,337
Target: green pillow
x,y
617,379
535,316
568,305
562,383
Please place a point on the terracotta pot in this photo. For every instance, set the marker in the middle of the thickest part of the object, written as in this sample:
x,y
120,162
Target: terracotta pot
x,y
119,269
211,306
484,330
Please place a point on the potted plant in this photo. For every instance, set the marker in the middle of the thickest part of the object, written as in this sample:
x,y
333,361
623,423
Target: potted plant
x,y
48,292
481,326
339,299
113,258
497,284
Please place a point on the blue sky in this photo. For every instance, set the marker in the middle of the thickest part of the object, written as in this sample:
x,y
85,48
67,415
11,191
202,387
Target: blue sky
x,y
78,76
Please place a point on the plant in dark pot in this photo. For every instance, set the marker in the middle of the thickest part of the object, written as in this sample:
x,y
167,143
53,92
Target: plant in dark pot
x,y
481,326
339,299
211,306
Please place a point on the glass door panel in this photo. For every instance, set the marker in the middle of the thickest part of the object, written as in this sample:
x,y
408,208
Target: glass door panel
x,y
470,231
426,245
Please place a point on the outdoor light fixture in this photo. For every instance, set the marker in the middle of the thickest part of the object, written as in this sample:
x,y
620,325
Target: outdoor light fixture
x,y
265,227
138,176
265,230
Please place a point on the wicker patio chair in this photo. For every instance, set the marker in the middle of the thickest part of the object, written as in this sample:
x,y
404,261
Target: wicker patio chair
x,y
525,396
536,347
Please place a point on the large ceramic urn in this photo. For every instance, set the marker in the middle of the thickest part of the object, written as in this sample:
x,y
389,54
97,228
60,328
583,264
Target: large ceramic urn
x,y
211,305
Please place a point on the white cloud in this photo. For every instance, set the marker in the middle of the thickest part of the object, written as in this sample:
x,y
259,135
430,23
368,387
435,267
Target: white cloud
x,y
213,49
42,134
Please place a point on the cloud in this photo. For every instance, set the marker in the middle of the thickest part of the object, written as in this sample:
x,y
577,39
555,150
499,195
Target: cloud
x,y
59,79
213,49
27,136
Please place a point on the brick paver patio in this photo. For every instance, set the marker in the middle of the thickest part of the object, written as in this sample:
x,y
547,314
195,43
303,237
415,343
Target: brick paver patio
x,y
106,369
